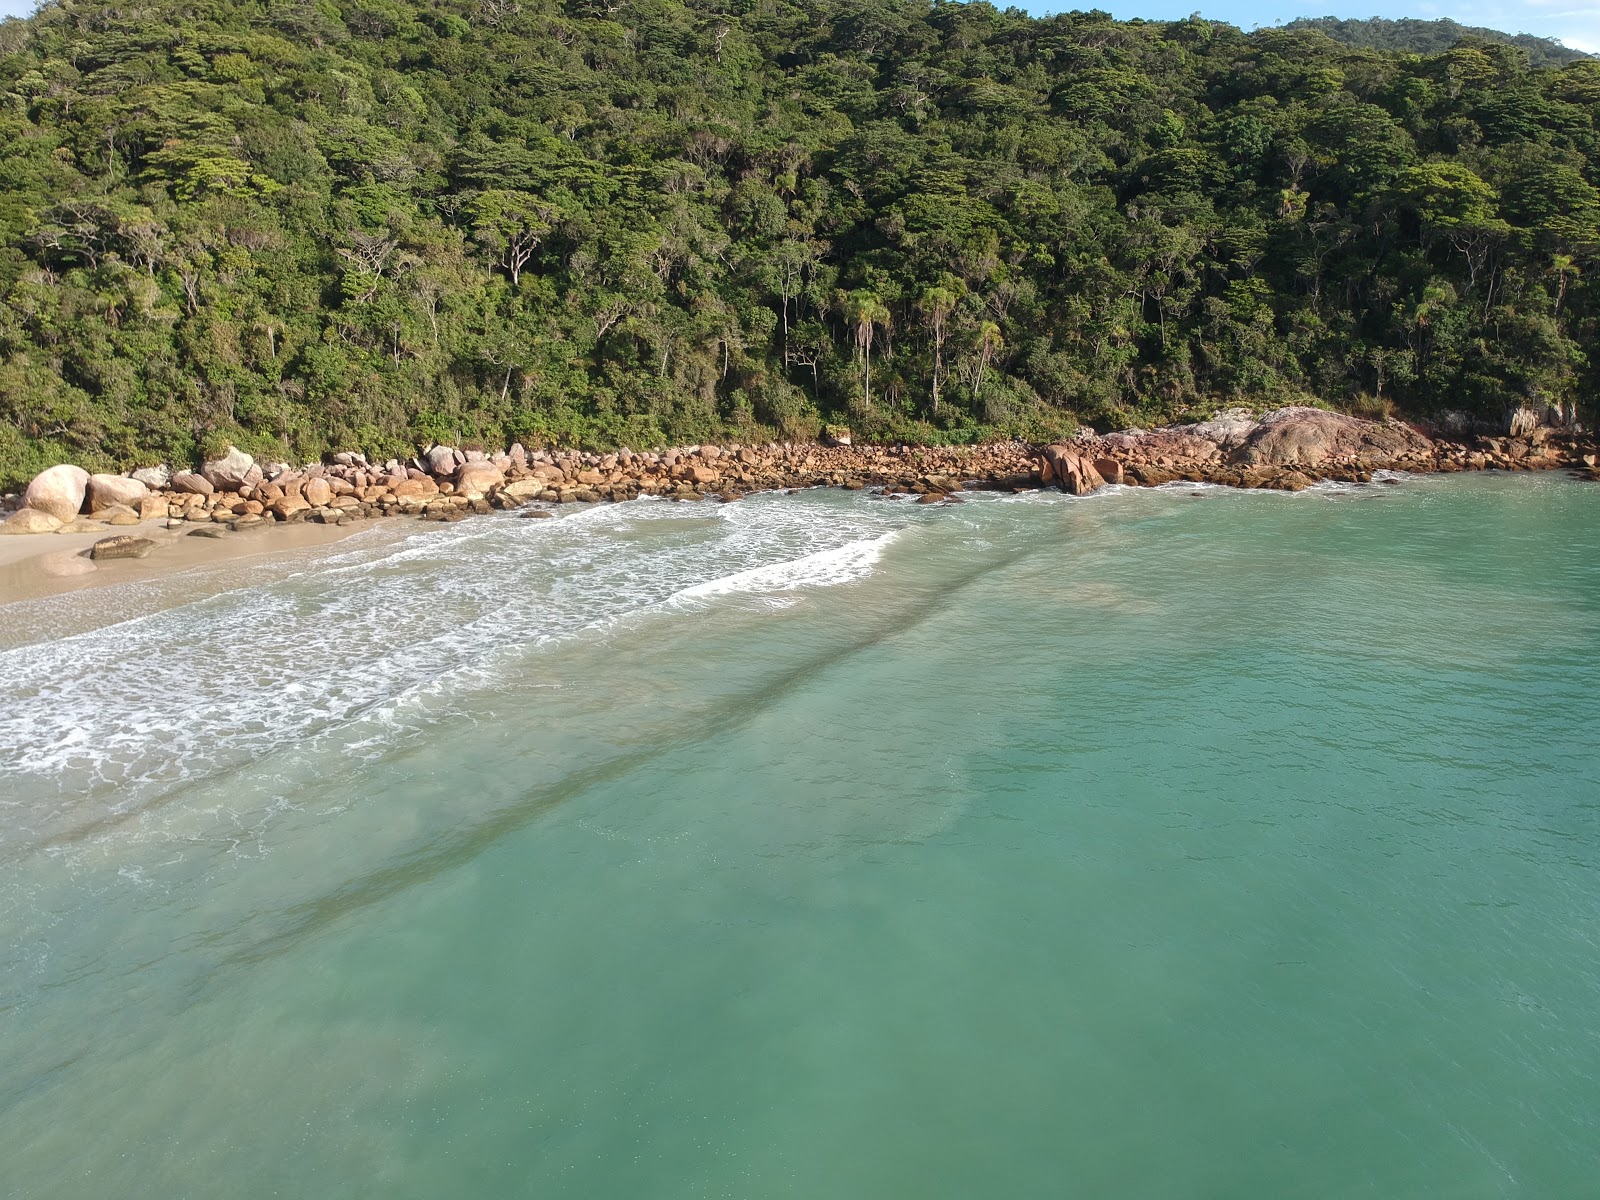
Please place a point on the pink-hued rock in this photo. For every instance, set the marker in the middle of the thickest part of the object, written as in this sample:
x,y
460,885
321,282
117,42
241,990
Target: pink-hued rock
x,y
443,460
317,492
106,490
478,479
58,491
189,482
1070,471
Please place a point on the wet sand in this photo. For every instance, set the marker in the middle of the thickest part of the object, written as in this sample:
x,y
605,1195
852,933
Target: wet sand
x,y
34,568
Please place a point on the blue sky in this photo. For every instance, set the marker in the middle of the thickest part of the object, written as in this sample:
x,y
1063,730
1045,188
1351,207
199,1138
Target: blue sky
x,y
1573,22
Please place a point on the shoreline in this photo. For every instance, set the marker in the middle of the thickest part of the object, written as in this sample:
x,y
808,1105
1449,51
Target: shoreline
x,y
252,516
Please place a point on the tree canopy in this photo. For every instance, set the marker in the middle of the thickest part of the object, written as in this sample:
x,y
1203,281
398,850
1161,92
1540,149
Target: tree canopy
x,y
301,225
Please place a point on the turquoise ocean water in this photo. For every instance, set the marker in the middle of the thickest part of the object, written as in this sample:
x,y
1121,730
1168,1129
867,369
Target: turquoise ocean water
x,y
1184,843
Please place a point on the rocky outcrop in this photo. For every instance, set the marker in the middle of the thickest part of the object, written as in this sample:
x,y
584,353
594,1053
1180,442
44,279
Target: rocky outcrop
x,y
107,490
58,491
1311,436
1070,470
1288,449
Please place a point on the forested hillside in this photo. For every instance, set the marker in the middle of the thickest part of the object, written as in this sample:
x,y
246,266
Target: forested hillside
x,y
297,225
1432,37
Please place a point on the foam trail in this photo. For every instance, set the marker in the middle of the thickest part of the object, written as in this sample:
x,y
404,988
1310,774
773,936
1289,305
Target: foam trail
x,y
825,568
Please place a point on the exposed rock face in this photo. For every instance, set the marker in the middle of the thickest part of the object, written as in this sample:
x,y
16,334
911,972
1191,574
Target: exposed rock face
x,y
154,477
1310,436
124,546
106,490
477,479
58,491
31,520
1070,471
1227,429
189,482
232,471
1110,469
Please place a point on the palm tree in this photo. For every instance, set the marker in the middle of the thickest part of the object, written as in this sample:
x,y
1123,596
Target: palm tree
x,y
936,305
865,314
990,343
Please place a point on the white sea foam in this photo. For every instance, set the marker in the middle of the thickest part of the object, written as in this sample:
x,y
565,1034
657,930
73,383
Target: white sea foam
x,y
374,641
825,568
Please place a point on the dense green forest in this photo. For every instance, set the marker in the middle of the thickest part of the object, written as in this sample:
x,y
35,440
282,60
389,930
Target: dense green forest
x,y
1433,37
299,225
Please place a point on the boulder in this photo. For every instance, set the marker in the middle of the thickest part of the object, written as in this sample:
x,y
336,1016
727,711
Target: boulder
x,y
125,545
232,471
1070,471
442,461
58,491
31,520
697,474
189,482
317,492
106,490
154,477
115,514
403,489
1301,436
83,525
477,479
522,489
1110,469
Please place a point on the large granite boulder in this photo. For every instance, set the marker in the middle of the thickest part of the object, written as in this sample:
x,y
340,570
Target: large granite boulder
x,y
442,461
232,471
1070,471
188,481
107,490
476,479
154,477
58,491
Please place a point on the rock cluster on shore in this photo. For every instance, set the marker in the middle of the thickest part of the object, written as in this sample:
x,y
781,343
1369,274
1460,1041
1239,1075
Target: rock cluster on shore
x,y
1288,449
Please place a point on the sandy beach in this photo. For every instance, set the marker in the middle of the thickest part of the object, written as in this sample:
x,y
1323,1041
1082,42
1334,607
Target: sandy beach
x,y
33,569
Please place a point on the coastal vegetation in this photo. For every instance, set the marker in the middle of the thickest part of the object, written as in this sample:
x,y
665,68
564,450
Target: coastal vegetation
x,y
298,226
1416,36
